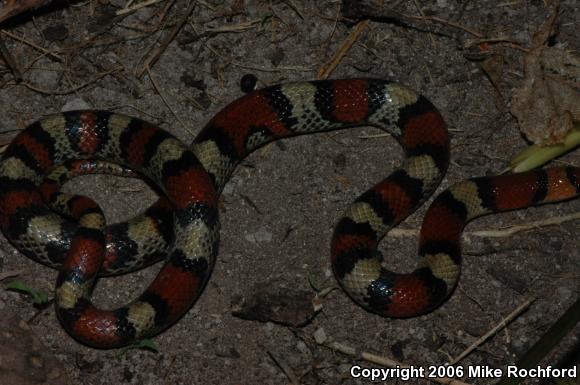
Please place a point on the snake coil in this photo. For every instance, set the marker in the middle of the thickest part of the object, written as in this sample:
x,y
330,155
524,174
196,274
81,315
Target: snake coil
x,y
68,232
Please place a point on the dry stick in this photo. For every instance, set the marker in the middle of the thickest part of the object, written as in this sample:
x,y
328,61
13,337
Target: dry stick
x,y
156,52
240,27
389,13
294,7
160,13
334,26
500,233
352,38
10,274
256,67
144,4
423,15
472,42
509,231
207,5
294,380
10,62
445,22
73,89
379,360
165,101
498,327
31,44
481,38
170,369
232,62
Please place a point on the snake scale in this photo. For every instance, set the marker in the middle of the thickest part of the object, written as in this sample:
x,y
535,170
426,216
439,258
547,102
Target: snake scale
x,y
68,232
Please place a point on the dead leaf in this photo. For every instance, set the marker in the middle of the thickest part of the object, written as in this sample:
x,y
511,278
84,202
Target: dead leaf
x,y
493,67
547,30
285,306
547,104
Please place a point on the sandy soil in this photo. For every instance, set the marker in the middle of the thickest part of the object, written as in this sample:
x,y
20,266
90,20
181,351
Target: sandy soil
x,y
280,206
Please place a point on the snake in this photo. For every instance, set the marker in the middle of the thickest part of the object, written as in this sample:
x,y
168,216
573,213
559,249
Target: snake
x,y
69,232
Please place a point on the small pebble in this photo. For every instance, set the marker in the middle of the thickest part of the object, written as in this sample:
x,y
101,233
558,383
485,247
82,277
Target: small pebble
x,y
75,104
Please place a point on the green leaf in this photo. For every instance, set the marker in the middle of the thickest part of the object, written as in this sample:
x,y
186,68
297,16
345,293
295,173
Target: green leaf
x,y
535,156
39,297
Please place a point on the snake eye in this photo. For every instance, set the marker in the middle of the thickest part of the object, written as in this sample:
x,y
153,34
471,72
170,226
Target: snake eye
x,y
248,83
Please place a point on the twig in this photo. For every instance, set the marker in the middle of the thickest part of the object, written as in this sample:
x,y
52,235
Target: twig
x,y
423,15
334,26
294,380
9,274
358,9
165,101
156,52
295,8
10,62
161,24
207,5
513,43
321,339
31,44
374,136
241,27
256,67
509,231
73,89
446,22
352,38
503,323
135,7
500,233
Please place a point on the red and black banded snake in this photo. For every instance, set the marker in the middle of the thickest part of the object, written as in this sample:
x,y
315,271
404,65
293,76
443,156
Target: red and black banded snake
x,y
183,226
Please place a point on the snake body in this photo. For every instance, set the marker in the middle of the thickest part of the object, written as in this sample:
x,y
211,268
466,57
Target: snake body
x,y
183,225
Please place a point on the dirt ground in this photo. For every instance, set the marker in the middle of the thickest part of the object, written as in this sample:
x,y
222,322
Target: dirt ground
x,y
279,209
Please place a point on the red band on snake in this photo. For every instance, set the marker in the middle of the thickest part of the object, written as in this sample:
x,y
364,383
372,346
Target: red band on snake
x,y
183,225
